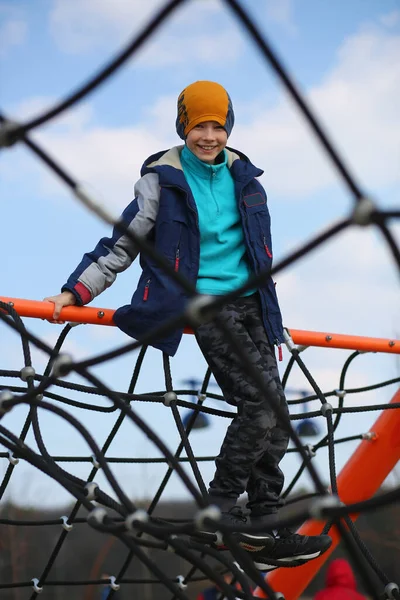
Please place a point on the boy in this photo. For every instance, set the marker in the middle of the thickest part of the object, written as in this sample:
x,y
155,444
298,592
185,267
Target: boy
x,y
202,207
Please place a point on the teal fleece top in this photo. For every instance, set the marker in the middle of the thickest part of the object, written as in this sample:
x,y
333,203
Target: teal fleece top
x,y
223,261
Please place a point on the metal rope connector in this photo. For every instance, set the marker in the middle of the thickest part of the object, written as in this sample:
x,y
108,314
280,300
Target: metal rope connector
x,y
181,582
65,525
5,396
309,448
90,490
363,211
11,458
9,133
139,516
169,397
319,505
62,365
326,409
171,538
95,462
27,372
369,435
35,586
390,589
98,514
290,345
340,393
114,586
211,512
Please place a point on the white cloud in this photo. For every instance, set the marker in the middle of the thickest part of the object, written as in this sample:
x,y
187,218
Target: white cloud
x,y
281,13
106,161
13,28
348,286
82,28
175,50
70,120
357,102
390,19
161,114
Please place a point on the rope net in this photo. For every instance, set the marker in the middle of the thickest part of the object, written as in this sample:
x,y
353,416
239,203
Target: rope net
x,y
142,532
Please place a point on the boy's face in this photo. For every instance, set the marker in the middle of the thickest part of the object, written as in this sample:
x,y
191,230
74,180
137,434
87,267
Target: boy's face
x,y
206,140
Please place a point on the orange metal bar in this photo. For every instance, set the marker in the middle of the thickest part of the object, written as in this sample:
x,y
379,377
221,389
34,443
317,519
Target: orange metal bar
x,y
73,314
351,342
104,316
359,479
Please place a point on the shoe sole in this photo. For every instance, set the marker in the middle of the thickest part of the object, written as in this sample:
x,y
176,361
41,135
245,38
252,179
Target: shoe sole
x,y
293,561
266,568
251,543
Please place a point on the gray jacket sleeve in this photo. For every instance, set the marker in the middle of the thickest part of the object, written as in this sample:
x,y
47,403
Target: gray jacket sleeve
x,y
99,268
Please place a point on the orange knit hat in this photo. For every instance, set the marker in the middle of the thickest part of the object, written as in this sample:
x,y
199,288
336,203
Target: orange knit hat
x,y
204,101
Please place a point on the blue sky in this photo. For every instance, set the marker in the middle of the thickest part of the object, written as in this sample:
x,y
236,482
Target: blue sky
x,y
345,58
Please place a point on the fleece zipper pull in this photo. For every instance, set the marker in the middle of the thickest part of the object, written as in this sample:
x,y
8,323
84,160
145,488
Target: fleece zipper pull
x,y
280,355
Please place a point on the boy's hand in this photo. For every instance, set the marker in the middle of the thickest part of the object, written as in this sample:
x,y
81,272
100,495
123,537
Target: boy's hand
x,y
59,301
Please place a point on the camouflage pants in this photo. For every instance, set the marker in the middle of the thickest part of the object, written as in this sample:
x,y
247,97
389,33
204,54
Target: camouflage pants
x,y
255,442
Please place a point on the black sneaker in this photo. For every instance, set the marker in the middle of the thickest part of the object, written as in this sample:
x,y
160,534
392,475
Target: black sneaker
x,y
290,550
235,520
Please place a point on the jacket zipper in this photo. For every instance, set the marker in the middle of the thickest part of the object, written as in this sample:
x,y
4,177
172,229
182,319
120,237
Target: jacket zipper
x,y
146,290
177,259
212,178
267,250
177,253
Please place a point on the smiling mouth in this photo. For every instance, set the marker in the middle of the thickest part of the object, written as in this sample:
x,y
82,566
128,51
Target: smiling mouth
x,y
207,148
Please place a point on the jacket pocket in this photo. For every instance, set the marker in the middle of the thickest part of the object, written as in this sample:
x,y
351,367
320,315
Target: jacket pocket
x,y
171,240
254,202
258,218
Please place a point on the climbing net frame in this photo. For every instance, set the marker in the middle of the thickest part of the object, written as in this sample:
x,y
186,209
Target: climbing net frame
x,y
351,485
132,523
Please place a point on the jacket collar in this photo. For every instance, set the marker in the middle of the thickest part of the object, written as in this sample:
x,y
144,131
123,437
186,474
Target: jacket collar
x,y
167,164
200,169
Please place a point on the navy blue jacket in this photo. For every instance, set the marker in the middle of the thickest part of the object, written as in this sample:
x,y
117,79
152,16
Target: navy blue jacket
x,y
172,226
